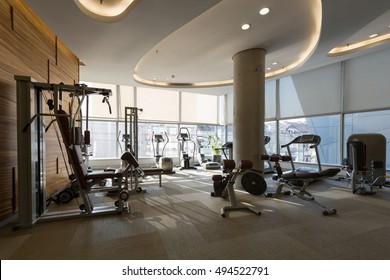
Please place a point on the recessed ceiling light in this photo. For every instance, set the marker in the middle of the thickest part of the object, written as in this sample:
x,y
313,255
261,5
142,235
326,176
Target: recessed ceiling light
x,y
373,35
245,26
275,63
264,11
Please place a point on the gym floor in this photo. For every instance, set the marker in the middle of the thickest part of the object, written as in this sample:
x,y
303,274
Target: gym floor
x,y
181,221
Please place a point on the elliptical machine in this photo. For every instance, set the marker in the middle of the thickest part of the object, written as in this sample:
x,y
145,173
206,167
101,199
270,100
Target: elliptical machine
x,y
184,138
203,161
165,163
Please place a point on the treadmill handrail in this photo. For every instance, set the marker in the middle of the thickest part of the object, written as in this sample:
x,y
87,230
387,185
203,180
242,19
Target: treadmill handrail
x,y
305,139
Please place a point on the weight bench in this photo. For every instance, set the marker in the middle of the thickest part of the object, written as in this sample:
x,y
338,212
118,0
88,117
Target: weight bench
x,y
229,167
152,172
297,181
143,172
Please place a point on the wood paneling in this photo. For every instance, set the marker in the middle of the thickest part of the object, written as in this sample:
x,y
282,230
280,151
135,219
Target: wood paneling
x,y
28,47
5,14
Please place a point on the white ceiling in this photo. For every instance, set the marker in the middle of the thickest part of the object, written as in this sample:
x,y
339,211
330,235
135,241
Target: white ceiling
x,y
193,41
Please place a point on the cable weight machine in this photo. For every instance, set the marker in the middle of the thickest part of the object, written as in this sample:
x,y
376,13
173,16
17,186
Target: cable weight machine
x,y
32,148
131,130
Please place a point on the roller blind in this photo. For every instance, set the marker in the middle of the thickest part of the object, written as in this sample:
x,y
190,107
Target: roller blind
x,y
126,94
270,100
311,93
157,104
98,108
367,82
199,108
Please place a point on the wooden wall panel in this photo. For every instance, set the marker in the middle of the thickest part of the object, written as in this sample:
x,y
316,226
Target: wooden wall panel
x,y
8,150
34,51
11,61
5,14
66,67
28,47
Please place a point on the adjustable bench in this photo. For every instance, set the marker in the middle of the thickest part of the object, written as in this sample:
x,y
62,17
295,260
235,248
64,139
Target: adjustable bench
x,y
297,181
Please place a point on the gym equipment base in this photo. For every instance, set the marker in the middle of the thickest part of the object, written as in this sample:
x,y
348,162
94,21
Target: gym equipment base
x,y
75,213
240,206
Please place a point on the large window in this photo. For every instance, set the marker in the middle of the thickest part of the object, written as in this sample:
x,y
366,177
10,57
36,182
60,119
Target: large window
x,y
159,105
270,100
148,144
312,102
126,99
270,131
159,115
103,139
199,108
98,106
200,141
367,83
327,127
311,93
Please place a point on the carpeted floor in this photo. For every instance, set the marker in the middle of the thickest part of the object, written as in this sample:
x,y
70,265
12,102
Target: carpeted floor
x,y
182,221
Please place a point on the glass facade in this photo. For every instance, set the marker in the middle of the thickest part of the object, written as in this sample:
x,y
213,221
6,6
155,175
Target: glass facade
x,y
323,101
327,127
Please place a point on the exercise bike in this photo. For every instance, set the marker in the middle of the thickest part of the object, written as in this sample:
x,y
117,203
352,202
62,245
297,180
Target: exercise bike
x,y
242,176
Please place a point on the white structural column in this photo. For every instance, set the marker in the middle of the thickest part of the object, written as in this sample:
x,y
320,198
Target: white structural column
x,y
249,106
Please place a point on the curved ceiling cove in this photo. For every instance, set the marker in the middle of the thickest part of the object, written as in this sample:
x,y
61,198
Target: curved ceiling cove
x,y
106,10
376,33
289,33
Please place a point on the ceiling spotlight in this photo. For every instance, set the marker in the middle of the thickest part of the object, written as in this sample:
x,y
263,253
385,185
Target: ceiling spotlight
x,y
373,35
275,63
264,11
245,26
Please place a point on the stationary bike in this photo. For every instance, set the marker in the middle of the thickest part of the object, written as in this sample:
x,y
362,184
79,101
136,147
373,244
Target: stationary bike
x,y
242,176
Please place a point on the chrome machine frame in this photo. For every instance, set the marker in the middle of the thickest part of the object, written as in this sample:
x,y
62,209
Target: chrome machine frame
x,y
31,145
131,130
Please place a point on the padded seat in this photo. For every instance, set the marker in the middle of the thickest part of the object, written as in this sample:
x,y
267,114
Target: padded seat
x,y
300,175
152,171
292,178
97,175
330,172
